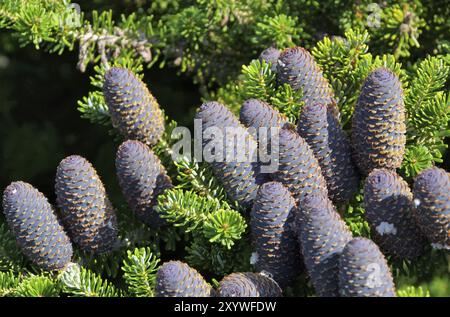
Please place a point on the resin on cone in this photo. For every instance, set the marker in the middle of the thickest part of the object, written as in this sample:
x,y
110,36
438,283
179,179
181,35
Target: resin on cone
x,y
389,206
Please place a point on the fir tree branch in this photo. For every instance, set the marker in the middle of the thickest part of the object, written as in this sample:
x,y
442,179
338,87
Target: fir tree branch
x,y
140,269
37,286
8,283
77,281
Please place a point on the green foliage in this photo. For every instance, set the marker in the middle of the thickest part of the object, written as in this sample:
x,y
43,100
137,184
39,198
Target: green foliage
x,y
37,286
190,211
282,30
341,60
198,177
11,257
57,26
78,281
353,215
216,259
416,159
211,41
428,106
411,291
394,26
186,209
287,101
140,269
8,283
224,226
258,81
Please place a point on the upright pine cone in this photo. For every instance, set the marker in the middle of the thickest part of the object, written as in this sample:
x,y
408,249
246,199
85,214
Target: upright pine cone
x,y
298,168
257,114
323,235
363,271
142,178
86,211
319,125
378,126
248,285
240,178
297,68
432,197
272,234
389,211
35,226
133,109
270,55
177,279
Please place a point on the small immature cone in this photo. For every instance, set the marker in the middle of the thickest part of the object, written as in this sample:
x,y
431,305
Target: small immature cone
x,y
297,68
177,279
87,213
248,285
239,176
35,226
363,271
389,209
270,55
273,237
134,111
378,126
298,168
432,198
323,235
142,178
319,125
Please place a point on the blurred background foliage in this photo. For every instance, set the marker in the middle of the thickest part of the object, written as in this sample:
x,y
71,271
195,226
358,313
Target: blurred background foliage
x,y
197,47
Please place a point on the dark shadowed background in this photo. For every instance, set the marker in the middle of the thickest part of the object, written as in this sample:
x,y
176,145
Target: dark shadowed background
x,y
40,124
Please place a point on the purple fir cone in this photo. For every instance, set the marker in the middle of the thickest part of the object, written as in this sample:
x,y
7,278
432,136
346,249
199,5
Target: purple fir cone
x,y
273,237
142,179
378,124
323,235
432,197
87,213
319,125
363,271
389,206
35,226
297,68
177,279
133,109
248,285
236,167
